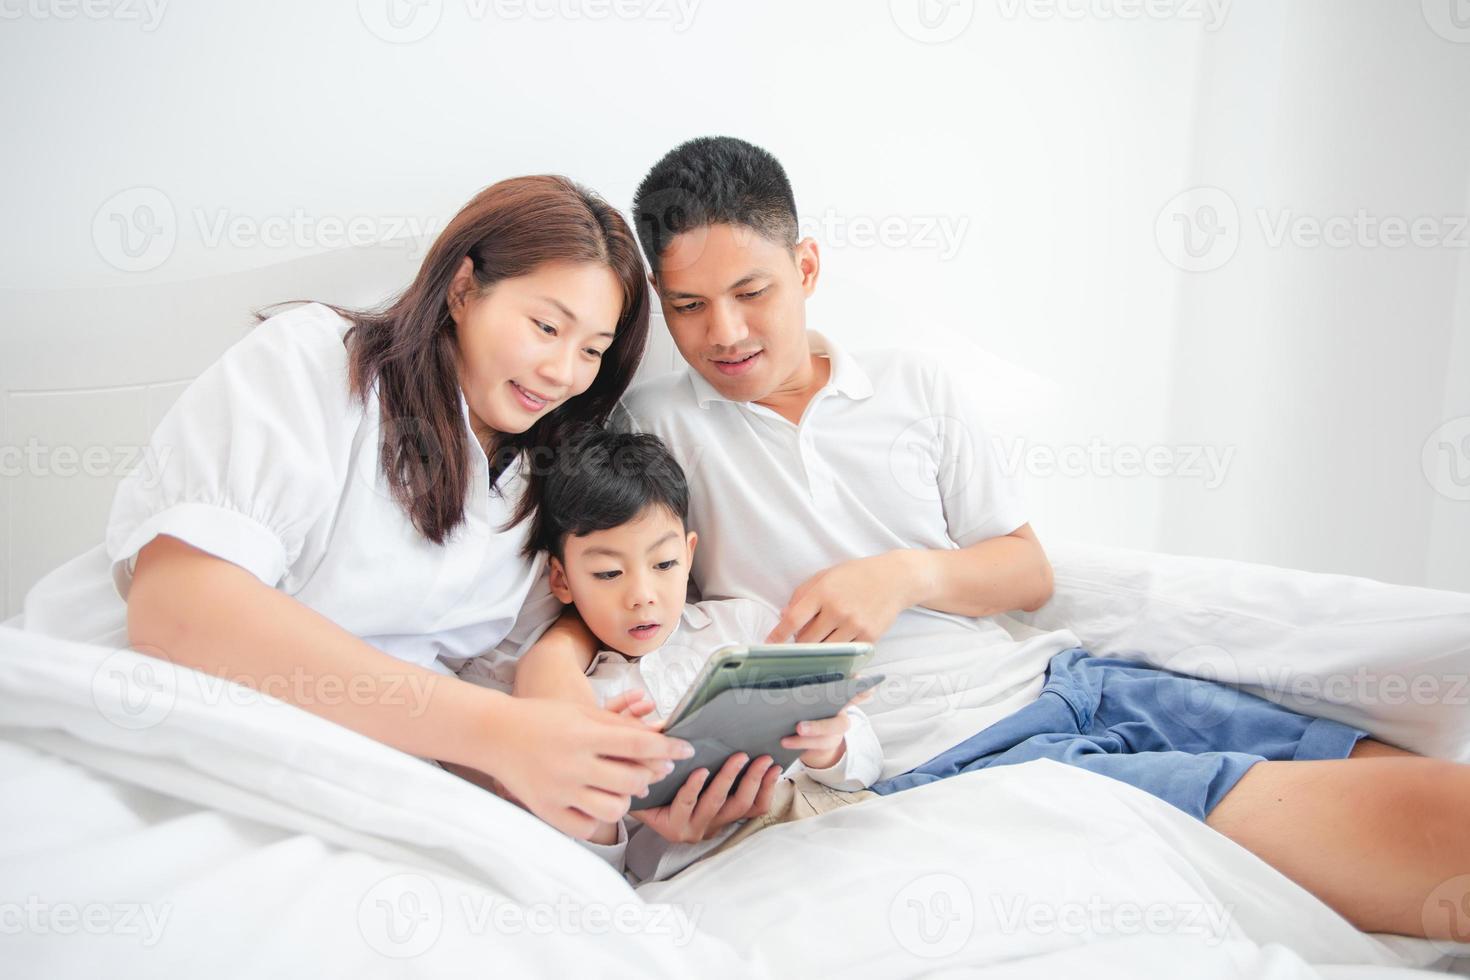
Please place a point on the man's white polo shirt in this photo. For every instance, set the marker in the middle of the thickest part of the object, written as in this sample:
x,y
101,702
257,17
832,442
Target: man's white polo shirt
x,y
889,454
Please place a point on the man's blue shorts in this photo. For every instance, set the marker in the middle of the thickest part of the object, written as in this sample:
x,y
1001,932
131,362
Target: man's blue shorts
x,y
1185,740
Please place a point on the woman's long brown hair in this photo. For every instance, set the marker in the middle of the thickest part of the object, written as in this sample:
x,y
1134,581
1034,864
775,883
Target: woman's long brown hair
x,y
408,350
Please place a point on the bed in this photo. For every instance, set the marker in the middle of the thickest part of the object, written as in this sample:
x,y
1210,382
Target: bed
x,y
157,822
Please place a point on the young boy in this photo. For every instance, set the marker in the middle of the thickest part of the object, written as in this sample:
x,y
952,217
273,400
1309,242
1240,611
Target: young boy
x,y
613,518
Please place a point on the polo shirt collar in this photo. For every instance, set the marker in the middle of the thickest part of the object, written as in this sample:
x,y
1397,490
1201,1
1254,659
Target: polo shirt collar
x,y
847,378
695,617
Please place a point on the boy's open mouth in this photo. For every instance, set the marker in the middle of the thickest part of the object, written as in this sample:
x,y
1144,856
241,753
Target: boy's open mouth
x,y
737,365
643,631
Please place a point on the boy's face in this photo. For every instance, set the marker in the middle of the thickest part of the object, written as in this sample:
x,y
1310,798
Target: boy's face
x,y
735,303
628,582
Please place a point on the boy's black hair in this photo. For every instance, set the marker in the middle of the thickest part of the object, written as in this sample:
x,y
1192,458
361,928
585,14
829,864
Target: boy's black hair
x,y
713,180
601,479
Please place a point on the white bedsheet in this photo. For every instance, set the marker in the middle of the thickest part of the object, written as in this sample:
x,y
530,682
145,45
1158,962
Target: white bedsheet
x,y
155,822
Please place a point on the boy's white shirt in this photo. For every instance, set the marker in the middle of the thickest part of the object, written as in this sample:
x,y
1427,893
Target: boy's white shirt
x,y
665,674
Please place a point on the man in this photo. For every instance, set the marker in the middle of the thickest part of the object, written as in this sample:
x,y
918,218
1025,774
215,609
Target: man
x,y
859,494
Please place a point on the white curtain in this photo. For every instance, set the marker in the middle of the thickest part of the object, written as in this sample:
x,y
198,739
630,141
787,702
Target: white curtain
x,y
1340,372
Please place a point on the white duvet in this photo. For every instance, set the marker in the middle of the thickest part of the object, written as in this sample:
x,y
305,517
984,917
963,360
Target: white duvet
x,y
154,822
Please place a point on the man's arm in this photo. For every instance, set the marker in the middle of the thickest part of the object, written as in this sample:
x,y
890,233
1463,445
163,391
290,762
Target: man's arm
x,y
997,575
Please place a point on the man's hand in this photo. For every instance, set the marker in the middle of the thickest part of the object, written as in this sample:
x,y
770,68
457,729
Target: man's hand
x,y
824,742
695,816
853,601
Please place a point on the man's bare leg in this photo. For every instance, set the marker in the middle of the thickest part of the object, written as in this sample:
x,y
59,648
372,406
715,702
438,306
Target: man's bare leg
x,y
1376,836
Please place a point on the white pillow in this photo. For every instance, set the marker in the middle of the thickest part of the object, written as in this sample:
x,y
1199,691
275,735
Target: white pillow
x,y
1393,660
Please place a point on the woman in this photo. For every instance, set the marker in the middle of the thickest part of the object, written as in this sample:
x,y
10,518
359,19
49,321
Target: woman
x,y
343,495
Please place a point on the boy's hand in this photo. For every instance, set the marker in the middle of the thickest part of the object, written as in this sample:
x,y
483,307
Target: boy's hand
x,y
633,704
855,600
693,816
823,742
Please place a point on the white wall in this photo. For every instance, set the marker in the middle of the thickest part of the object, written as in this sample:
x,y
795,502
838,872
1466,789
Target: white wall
x,y
1017,169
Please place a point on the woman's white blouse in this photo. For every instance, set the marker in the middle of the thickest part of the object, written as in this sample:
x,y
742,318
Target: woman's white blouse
x,y
268,462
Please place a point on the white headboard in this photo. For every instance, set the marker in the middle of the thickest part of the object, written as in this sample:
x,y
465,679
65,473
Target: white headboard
x,y
86,374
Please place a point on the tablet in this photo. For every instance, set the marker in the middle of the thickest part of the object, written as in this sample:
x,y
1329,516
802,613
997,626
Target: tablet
x,y
747,699
754,664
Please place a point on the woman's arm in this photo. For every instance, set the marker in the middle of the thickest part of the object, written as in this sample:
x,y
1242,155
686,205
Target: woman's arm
x,y
556,667
571,765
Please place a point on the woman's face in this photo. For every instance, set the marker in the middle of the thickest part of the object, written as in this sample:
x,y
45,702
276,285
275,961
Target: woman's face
x,y
528,344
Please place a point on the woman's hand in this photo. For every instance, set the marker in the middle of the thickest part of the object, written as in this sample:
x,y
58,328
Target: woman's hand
x,y
823,742
695,816
628,704
574,766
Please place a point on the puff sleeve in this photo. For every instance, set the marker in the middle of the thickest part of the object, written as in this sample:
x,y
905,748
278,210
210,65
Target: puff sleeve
x,y
251,460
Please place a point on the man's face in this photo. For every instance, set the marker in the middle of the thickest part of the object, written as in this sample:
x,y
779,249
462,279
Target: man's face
x,y
735,303
628,582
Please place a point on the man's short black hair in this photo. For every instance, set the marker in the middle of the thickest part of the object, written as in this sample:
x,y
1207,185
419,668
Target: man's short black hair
x,y
603,479
713,180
